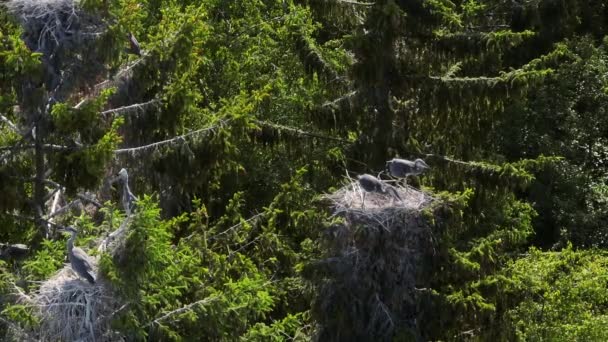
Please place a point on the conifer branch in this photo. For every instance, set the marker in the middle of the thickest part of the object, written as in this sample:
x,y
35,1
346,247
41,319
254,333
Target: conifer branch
x,y
253,219
351,2
47,147
182,310
131,108
300,132
339,99
179,138
124,73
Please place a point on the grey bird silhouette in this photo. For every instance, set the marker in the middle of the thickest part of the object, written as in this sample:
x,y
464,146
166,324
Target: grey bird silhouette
x,y
134,45
401,168
127,197
370,183
80,261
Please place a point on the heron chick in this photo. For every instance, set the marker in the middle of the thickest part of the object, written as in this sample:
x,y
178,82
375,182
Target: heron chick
x,y
127,197
80,261
401,168
370,183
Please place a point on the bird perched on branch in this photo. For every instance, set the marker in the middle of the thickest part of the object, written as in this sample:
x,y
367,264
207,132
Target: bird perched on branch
x,y
127,198
80,261
134,45
401,168
370,183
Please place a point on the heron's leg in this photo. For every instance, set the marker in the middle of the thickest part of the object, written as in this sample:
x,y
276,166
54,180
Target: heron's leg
x,y
363,202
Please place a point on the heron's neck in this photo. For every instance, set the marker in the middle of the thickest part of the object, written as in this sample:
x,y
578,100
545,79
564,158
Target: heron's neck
x,y
71,242
125,188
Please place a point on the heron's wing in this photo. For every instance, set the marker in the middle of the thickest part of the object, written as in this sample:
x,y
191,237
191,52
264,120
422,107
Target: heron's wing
x,y
82,259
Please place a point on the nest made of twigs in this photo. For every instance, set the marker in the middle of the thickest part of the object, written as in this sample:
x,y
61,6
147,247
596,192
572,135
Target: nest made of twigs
x,y
351,197
71,309
69,38
49,24
369,276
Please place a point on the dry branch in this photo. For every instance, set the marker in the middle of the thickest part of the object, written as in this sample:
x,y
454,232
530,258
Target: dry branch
x,y
131,108
10,124
182,310
176,139
299,132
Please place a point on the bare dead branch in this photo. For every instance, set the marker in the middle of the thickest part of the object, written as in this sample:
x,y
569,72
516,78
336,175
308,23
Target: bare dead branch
x,y
131,108
176,139
299,132
182,310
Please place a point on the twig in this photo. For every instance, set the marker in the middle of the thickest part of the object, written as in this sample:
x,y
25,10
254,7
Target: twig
x,y
62,210
254,217
181,310
243,246
169,141
339,99
351,2
298,131
89,200
48,147
10,124
444,158
130,108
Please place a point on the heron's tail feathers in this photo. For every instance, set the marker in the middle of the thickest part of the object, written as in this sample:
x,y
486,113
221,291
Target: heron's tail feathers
x,y
90,277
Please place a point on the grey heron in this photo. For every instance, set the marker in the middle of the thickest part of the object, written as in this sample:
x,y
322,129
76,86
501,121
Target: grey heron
x,y
401,168
80,261
127,197
134,45
370,183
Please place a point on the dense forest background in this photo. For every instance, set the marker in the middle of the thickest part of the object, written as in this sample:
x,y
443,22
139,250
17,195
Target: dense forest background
x,y
236,119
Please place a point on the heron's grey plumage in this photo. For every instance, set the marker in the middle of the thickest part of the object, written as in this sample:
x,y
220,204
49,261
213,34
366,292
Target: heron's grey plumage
x,y
370,183
402,168
127,198
80,261
134,44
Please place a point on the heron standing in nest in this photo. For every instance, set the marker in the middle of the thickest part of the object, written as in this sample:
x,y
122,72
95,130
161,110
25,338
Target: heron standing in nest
x,y
80,261
401,168
370,183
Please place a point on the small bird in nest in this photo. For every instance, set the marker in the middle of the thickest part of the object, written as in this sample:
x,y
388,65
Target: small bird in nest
x,y
401,168
370,183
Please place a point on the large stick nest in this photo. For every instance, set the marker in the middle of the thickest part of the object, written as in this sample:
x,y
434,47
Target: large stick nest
x,y
67,37
71,309
368,278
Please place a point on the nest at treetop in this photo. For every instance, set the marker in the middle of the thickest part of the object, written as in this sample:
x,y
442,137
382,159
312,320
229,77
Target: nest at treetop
x,y
73,42
68,308
368,278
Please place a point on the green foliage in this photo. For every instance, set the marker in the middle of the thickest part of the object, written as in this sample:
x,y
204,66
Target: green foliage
x,y
564,297
46,261
292,326
505,100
